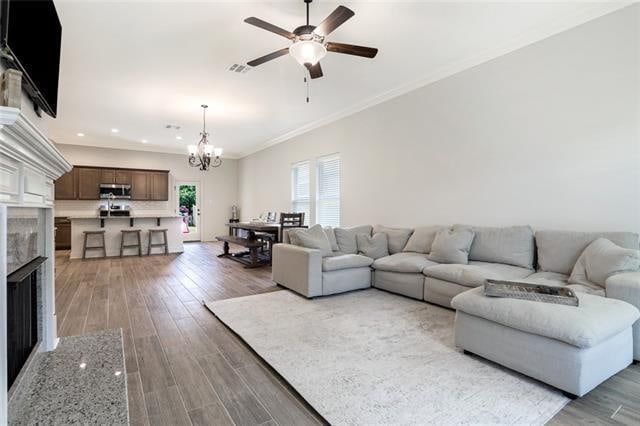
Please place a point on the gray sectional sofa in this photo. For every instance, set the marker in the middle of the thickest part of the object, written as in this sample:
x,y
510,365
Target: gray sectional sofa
x,y
511,253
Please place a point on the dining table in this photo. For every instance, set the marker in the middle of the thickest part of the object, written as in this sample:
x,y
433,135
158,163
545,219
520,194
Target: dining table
x,y
255,255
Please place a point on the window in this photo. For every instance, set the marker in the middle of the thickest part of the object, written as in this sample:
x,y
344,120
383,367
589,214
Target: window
x,y
328,194
300,189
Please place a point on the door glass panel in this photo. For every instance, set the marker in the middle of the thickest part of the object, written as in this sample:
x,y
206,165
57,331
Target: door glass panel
x,y
189,210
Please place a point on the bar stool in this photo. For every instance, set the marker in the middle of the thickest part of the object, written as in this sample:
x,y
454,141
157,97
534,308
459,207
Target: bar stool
x,y
164,242
138,245
86,247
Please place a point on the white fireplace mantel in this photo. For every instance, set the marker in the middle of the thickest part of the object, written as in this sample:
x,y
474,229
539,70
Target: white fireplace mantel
x,y
29,163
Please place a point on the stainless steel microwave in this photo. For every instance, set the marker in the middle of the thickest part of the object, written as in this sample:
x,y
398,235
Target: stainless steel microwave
x,y
115,191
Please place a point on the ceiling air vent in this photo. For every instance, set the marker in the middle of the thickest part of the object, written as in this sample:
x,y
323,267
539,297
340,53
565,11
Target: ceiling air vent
x,y
241,69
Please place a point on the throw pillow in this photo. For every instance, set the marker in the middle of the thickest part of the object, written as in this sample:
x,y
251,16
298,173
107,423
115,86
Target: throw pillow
x,y
332,238
452,246
602,259
314,238
293,238
397,237
374,247
422,239
346,238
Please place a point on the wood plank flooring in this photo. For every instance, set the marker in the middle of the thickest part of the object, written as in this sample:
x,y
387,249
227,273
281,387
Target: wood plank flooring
x,y
185,367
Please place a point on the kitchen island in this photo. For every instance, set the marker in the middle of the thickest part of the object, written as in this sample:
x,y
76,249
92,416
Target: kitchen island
x,y
112,225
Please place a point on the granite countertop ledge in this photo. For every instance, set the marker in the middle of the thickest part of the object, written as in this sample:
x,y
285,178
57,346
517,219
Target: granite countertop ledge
x,y
83,381
134,216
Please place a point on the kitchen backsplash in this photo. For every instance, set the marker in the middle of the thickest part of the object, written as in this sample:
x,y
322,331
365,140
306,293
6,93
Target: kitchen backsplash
x,y
71,207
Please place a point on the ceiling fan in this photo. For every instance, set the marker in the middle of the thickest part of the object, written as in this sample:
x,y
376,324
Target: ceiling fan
x,y
309,43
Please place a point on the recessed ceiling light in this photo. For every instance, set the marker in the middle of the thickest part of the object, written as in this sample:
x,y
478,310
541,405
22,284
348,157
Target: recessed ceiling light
x,y
144,141
80,134
179,138
114,130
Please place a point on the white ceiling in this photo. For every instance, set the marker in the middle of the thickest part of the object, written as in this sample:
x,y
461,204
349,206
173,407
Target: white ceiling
x,y
137,66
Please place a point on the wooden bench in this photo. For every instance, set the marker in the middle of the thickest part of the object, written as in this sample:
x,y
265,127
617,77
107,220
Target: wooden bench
x,y
252,244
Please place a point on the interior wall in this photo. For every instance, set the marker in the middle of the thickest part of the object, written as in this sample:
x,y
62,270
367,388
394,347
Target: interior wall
x,y
548,135
218,185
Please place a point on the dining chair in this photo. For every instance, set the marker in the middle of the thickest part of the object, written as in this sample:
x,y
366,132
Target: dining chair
x,y
290,220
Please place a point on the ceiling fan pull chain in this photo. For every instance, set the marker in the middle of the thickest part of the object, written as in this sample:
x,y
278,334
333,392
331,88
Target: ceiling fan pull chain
x,y
306,81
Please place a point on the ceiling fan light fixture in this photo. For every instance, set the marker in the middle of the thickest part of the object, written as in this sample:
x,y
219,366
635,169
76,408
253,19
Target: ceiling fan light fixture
x,y
307,51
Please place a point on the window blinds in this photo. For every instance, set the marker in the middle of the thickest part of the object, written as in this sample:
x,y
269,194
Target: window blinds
x,y
300,189
328,195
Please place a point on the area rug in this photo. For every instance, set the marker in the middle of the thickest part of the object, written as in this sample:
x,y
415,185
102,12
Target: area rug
x,y
370,357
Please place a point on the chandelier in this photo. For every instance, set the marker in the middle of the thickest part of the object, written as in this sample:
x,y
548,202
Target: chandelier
x,y
204,155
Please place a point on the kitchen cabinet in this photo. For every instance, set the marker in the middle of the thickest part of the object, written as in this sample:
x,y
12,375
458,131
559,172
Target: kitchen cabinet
x,y
108,176
63,233
140,185
89,181
123,177
83,183
159,186
66,186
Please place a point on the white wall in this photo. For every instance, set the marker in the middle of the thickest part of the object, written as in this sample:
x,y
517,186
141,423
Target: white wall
x,y
218,185
548,135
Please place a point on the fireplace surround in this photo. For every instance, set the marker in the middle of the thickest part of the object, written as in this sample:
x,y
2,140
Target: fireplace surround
x,y
29,163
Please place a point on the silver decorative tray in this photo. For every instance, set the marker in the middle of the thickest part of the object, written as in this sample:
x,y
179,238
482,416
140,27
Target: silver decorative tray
x,y
528,291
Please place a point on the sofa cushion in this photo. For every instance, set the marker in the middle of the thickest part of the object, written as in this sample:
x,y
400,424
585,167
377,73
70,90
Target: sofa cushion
x,y
558,251
422,239
475,273
375,246
513,245
561,280
313,238
584,326
397,237
345,261
602,259
403,262
452,246
346,237
331,235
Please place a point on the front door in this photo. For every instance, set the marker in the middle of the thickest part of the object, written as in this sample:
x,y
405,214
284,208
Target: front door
x,y
188,206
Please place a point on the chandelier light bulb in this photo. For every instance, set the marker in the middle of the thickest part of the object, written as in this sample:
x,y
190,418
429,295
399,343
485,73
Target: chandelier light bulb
x,y
208,149
217,152
307,51
192,149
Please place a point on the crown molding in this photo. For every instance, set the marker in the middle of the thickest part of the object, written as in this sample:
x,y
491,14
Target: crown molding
x,y
101,144
588,13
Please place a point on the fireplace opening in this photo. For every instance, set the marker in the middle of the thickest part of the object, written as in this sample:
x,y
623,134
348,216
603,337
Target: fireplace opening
x,y
22,315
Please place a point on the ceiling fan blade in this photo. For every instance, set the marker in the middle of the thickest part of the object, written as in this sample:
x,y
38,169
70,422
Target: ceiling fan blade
x,y
270,56
352,49
333,21
315,71
270,27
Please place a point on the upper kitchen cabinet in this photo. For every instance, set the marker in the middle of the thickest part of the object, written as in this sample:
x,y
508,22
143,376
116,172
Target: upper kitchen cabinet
x,y
66,187
140,185
159,186
89,181
123,177
108,176
83,183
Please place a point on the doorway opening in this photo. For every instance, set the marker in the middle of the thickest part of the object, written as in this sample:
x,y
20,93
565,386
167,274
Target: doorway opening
x,y
188,206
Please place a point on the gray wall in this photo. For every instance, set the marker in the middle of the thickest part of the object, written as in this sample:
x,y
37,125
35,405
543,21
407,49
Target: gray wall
x,y
548,135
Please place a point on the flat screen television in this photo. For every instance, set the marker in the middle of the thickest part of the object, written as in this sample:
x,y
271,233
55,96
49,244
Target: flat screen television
x,y
31,39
